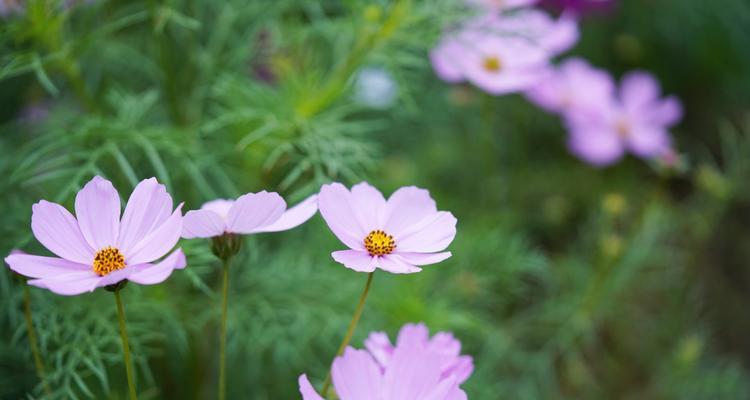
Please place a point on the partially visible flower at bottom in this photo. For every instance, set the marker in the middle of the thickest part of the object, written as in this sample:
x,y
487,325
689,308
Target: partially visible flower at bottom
x,y
417,368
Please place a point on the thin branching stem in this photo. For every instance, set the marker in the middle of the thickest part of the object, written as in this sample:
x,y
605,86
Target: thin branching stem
x,y
350,331
125,345
38,364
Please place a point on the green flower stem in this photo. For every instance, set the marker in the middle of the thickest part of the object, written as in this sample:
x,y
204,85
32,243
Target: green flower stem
x,y
350,331
223,334
33,341
125,345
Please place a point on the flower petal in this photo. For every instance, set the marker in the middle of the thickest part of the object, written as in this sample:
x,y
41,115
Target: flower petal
x,y
356,376
98,213
294,216
395,264
306,389
158,242
412,374
371,205
159,272
413,335
254,210
57,229
357,260
43,267
69,284
202,224
148,207
424,258
406,207
378,344
639,90
338,210
219,206
434,233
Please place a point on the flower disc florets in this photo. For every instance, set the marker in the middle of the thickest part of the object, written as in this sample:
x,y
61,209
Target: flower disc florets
x,y
379,243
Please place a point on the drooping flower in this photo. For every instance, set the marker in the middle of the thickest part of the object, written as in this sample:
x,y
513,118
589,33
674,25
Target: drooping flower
x,y
417,368
637,120
396,235
574,85
503,53
97,248
250,213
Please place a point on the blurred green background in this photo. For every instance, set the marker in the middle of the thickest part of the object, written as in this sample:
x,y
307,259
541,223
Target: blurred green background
x,y
567,282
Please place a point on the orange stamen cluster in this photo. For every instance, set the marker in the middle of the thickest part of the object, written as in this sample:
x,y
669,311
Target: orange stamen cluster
x,y
107,260
492,64
379,243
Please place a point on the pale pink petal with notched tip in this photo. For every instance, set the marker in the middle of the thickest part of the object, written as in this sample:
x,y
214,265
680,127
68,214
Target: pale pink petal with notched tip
x,y
57,229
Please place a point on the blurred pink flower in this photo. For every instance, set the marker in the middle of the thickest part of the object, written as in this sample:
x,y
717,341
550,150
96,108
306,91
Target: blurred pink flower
x,y
580,6
637,120
396,235
417,368
503,53
99,248
499,5
250,213
573,85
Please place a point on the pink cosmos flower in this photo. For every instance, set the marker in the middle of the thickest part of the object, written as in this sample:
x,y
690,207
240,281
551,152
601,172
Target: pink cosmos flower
x,y
503,53
98,248
396,235
417,368
636,121
499,5
250,213
574,85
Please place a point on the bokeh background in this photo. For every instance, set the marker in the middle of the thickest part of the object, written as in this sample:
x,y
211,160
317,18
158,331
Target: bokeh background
x,y
567,281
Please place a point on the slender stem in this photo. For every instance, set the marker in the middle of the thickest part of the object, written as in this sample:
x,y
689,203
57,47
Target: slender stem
x,y
33,342
223,337
125,345
350,331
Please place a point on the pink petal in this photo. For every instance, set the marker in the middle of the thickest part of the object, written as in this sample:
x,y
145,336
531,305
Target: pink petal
x,y
639,90
445,60
413,335
667,112
202,224
58,231
306,389
98,213
432,234
294,216
357,260
148,207
43,267
159,272
69,284
219,206
157,243
356,376
595,144
406,207
378,344
648,141
412,374
395,264
254,210
423,258
371,205
338,210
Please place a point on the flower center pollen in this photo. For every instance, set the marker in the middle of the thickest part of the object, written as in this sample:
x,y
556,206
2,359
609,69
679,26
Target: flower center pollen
x,y
492,64
379,243
107,260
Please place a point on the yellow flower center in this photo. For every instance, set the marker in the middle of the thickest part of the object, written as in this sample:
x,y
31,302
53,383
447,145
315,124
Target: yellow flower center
x,y
107,260
492,64
379,243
